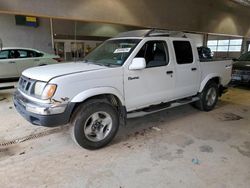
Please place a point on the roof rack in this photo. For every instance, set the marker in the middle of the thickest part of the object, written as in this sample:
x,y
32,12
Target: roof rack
x,y
152,33
162,32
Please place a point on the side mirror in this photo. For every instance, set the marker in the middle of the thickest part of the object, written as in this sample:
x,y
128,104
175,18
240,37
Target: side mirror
x,y
138,63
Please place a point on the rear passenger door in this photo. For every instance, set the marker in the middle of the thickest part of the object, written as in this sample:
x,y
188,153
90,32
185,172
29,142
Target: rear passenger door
x,y
8,67
155,83
187,70
25,60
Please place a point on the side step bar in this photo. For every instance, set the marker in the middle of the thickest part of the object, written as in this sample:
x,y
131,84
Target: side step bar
x,y
160,107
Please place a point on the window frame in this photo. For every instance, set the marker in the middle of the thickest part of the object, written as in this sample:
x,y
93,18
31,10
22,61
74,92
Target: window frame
x,y
166,50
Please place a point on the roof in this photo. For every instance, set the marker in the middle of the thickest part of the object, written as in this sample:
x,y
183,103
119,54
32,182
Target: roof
x,y
19,48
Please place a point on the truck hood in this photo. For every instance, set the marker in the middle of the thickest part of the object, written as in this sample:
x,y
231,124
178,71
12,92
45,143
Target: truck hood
x,y
241,65
46,73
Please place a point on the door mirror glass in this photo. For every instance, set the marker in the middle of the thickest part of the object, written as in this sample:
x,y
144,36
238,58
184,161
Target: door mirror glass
x,y
138,63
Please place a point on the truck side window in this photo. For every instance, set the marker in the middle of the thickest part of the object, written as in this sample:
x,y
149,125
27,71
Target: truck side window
x,y
183,52
155,53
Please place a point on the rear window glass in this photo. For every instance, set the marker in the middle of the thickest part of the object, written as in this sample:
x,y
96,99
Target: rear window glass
x,y
38,54
23,53
183,52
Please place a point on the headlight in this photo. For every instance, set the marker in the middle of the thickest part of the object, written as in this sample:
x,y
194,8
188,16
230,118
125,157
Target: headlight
x,y
39,87
43,90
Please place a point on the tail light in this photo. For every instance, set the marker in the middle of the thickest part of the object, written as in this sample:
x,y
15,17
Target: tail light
x,y
233,72
58,59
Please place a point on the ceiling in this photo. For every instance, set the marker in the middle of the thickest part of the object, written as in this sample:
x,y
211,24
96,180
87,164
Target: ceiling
x,y
243,2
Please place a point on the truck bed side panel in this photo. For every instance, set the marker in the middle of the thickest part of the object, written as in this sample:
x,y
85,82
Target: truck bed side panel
x,y
221,69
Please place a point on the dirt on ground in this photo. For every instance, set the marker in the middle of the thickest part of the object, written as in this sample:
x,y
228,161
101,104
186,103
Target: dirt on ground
x,y
180,147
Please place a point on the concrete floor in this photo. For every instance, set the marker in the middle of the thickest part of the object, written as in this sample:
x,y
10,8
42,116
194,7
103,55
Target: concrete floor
x,y
181,147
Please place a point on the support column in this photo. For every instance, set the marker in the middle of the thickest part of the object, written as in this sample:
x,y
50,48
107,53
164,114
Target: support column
x,y
52,34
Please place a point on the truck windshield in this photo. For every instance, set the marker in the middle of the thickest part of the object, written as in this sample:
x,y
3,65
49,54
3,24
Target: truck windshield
x,y
112,52
245,57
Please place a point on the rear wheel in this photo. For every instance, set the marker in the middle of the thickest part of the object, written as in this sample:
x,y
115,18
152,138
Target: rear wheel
x,y
95,124
208,97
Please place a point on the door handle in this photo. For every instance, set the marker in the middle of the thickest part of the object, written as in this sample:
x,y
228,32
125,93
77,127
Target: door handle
x,y
170,72
193,69
11,62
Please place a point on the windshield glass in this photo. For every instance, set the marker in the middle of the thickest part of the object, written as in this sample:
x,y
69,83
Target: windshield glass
x,y
112,52
245,57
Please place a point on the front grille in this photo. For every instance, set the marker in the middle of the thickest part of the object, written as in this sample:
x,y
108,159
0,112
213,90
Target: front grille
x,y
26,85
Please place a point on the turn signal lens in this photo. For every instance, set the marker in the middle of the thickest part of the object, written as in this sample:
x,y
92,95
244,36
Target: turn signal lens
x,y
48,91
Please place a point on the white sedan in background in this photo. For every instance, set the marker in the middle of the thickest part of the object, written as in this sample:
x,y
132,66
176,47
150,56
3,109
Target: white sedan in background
x,y
13,61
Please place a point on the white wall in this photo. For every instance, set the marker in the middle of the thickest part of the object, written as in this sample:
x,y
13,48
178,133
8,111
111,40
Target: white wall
x,y
14,35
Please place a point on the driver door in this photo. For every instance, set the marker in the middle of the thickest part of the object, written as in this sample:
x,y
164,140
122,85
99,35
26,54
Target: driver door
x,y
8,67
155,83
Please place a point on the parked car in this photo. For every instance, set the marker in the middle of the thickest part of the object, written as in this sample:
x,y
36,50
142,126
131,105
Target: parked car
x,y
131,75
13,61
241,69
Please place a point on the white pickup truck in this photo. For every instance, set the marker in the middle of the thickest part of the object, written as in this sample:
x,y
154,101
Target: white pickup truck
x,y
131,75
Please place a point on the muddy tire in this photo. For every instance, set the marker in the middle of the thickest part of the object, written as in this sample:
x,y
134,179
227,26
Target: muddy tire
x,y
208,97
94,124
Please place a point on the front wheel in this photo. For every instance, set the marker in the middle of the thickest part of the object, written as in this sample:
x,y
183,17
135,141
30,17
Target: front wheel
x,y
95,124
208,97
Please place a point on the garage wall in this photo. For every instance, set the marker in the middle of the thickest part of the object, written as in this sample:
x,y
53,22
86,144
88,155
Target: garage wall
x,y
14,35
217,16
67,28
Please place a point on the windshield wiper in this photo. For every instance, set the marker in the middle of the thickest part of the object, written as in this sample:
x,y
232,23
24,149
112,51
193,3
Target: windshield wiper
x,y
100,64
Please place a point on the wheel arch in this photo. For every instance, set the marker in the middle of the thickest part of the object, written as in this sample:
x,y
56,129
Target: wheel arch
x,y
212,77
98,92
111,95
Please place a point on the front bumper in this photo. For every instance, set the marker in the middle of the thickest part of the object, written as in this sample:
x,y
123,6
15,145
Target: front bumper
x,y
243,77
48,115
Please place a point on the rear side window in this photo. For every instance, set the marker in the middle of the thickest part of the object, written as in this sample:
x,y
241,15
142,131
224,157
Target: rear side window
x,y
31,53
38,54
183,52
155,53
22,53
